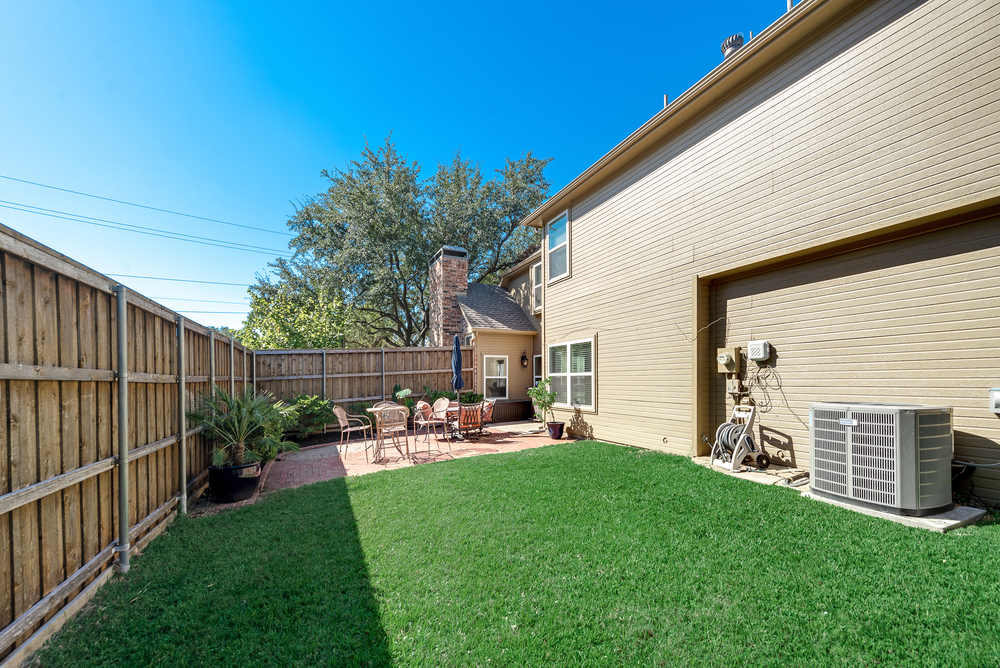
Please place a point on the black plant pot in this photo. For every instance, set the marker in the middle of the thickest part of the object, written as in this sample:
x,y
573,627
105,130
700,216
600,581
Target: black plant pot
x,y
556,429
233,483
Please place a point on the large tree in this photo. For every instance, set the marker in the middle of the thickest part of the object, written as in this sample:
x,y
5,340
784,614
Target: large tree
x,y
293,316
370,237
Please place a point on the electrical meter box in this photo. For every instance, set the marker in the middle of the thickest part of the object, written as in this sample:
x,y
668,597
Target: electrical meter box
x,y
758,351
728,360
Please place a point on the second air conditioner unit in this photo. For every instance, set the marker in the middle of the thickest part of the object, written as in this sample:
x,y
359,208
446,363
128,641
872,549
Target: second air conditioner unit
x,y
890,457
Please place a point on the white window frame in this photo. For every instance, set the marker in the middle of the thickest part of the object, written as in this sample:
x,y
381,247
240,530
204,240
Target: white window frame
x,y
469,338
550,250
569,374
536,288
506,385
537,377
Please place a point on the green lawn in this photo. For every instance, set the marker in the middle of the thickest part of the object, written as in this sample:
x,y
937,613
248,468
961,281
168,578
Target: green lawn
x,y
579,554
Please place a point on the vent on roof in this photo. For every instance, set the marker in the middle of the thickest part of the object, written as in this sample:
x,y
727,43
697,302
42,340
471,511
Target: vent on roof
x,y
732,44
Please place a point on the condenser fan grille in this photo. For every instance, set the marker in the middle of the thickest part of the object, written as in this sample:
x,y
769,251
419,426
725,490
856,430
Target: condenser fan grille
x,y
830,455
873,457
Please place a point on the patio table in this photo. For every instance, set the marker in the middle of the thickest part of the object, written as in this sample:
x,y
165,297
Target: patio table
x,y
380,438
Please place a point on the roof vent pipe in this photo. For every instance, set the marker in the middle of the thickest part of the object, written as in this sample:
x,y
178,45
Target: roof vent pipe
x,y
732,45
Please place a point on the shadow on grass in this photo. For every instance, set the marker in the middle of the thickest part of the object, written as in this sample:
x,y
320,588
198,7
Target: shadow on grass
x,y
284,582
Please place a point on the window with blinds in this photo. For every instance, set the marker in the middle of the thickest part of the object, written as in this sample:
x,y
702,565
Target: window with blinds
x,y
571,370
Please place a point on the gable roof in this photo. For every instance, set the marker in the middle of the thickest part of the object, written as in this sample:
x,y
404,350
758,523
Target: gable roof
x,y
492,307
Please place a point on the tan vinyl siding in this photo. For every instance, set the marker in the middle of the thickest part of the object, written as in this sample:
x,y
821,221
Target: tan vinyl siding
x,y
888,117
914,321
520,289
512,345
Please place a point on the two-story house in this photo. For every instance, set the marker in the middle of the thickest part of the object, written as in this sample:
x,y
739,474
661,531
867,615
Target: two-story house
x,y
833,188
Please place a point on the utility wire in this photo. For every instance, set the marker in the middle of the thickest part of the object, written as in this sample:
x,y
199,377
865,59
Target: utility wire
x,y
143,206
204,301
232,312
178,280
153,232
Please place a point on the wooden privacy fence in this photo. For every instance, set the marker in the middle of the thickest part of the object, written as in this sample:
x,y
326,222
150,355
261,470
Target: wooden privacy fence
x,y
349,376
94,455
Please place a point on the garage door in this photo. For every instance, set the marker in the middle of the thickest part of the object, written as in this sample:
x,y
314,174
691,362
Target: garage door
x,y
914,321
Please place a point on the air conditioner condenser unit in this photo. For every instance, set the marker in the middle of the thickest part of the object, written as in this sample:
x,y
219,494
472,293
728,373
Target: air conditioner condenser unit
x,y
889,457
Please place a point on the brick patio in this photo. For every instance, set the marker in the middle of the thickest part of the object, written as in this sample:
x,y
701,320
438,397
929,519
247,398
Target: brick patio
x,y
325,462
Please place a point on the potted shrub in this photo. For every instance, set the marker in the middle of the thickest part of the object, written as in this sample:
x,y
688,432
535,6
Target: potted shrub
x,y
543,398
246,430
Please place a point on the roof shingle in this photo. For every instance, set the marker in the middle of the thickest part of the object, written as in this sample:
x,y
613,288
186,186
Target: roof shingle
x,y
492,307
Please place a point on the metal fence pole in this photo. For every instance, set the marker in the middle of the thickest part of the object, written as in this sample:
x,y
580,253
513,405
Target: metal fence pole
x,y
211,362
181,421
232,366
123,525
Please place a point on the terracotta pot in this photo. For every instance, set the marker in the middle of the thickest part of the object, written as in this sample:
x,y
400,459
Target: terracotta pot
x,y
233,483
556,429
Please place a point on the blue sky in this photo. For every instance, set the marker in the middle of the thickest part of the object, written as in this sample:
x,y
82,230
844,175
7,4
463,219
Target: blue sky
x,y
230,110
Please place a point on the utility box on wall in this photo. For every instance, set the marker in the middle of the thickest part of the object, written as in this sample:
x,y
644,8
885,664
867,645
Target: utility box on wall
x,y
728,360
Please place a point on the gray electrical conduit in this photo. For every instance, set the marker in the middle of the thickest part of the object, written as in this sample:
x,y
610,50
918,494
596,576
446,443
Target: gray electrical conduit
x,y
974,465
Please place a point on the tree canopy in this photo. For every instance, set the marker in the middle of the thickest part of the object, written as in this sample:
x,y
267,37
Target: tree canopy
x,y
363,247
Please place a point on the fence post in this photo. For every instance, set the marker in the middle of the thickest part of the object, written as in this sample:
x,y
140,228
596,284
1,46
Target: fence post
x,y
383,374
246,376
123,545
253,363
232,366
211,362
324,374
181,421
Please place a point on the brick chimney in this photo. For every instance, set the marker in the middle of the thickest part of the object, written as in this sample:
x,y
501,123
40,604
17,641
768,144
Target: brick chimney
x,y
449,278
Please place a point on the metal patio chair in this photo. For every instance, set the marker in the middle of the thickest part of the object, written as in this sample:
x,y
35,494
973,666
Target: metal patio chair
x,y
392,423
353,423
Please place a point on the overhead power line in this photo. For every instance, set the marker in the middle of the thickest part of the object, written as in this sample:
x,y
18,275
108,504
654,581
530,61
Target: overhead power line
x,y
143,206
230,312
139,229
203,301
178,280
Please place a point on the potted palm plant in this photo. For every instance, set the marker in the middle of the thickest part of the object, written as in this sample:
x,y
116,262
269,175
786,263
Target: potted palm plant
x,y
246,430
543,397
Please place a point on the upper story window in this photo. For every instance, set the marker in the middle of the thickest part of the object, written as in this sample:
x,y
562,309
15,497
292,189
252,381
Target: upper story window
x,y
558,233
536,287
571,369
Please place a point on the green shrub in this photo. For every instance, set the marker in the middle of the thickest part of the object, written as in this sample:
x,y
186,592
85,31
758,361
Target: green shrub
x,y
314,413
467,397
